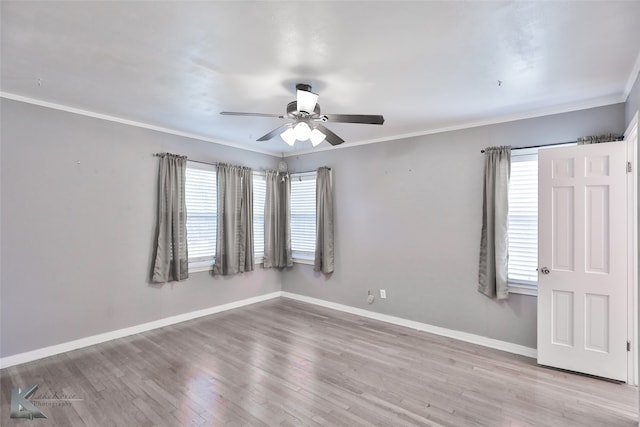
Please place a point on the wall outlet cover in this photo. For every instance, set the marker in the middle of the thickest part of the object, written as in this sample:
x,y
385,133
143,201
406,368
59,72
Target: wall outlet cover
x,y
383,293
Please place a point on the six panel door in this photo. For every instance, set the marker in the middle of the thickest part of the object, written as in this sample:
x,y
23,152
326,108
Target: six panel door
x,y
582,283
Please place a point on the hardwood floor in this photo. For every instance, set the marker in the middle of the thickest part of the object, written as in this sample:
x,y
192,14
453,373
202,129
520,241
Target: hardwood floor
x,y
287,363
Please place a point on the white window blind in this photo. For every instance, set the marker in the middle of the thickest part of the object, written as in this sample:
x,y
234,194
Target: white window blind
x,y
303,215
259,195
201,201
523,221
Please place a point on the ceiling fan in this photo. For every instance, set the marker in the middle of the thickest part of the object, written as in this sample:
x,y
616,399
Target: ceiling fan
x,y
307,120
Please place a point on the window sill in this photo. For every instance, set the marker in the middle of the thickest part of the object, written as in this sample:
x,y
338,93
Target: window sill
x,y
308,261
516,288
196,268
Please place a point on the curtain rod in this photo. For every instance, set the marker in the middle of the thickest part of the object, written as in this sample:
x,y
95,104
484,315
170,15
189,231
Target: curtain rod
x,y
189,160
539,146
216,164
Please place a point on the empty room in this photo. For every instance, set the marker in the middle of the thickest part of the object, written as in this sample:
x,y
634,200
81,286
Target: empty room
x,y
319,213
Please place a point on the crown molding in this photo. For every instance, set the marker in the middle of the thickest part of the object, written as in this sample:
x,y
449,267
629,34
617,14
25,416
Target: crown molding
x,y
598,102
95,115
568,108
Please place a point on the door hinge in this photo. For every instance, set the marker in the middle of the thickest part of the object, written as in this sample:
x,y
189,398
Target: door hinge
x,y
628,167
628,345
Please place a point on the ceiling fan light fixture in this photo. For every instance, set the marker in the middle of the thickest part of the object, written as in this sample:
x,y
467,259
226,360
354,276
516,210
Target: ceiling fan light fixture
x,y
289,136
316,137
302,131
306,101
307,120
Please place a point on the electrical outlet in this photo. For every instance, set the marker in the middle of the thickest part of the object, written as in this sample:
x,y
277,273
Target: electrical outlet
x,y
370,298
383,293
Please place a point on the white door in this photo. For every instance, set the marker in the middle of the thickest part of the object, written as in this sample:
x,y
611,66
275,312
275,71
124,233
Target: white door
x,y
582,278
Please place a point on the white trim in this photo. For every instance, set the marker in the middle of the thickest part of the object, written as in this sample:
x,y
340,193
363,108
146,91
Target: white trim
x,y
29,356
635,121
194,164
631,138
425,327
635,71
524,154
143,125
198,266
303,261
517,288
599,102
41,353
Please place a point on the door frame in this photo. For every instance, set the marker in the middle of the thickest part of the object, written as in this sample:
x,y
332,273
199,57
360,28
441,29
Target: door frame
x,y
631,136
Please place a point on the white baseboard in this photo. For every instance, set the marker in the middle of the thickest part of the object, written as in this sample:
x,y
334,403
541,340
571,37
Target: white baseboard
x,y
425,327
41,353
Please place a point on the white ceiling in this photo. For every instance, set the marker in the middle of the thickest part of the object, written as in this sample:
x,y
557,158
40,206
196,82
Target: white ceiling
x,y
423,65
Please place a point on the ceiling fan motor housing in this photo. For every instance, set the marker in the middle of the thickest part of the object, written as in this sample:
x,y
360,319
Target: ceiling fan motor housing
x,y
303,86
292,111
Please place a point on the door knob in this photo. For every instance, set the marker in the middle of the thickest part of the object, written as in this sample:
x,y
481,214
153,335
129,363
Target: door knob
x,y
544,270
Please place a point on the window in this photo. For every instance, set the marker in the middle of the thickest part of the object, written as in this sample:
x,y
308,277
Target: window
x,y
201,201
523,224
259,196
303,216
200,198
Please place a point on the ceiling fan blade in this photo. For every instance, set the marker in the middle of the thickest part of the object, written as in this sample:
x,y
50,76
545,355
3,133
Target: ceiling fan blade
x,y
306,100
331,137
234,113
367,119
277,131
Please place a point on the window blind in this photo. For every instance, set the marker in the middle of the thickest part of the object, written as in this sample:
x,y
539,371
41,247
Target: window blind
x,y
259,196
303,215
523,220
201,201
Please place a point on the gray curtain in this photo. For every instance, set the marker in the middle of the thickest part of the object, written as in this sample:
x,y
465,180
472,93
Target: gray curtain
x,y
324,222
277,221
598,139
234,243
171,257
494,242
246,241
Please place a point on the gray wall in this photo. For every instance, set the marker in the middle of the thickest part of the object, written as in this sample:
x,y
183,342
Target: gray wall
x,y
77,237
77,227
408,219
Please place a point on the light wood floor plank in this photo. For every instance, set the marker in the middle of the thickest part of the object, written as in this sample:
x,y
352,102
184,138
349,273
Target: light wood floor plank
x,y
287,363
